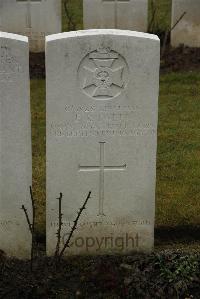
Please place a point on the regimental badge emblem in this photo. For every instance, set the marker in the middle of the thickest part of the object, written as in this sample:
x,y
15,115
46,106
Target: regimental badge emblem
x,y
103,74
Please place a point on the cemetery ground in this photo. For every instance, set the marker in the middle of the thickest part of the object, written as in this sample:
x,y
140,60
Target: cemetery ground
x,y
178,157
178,182
172,271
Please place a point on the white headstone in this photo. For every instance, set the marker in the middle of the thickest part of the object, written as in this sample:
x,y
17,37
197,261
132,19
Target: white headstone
x,y
102,93
15,145
187,31
120,14
33,18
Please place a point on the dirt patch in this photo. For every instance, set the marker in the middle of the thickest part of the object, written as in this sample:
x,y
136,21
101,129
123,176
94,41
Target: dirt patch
x,y
174,59
177,234
180,59
164,275
37,65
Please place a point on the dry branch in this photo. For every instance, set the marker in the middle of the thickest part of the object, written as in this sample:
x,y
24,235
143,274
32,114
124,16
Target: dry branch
x,y
66,245
168,32
60,223
27,219
31,226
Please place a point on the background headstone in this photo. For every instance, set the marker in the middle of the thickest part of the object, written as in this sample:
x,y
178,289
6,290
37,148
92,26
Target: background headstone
x,y
187,31
120,14
33,18
15,145
102,92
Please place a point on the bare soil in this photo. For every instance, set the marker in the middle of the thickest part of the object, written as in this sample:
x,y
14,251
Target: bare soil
x,y
174,59
169,274
37,65
181,59
165,275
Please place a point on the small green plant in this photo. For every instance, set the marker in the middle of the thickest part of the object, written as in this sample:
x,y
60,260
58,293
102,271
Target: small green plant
x,y
178,270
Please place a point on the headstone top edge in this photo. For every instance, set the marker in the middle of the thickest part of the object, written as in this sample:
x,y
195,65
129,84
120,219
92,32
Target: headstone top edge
x,y
93,32
13,36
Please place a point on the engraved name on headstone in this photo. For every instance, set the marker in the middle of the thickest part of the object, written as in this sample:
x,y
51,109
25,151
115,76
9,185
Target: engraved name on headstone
x,y
15,145
102,92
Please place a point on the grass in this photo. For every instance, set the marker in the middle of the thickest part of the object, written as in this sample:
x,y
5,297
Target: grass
x,y
178,158
38,147
178,162
162,19
75,8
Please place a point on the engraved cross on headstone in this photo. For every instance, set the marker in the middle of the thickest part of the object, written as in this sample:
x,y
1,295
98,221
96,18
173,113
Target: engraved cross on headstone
x,y
28,3
116,8
101,168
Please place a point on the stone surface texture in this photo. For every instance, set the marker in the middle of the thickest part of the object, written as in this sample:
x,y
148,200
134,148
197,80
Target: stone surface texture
x,y
15,145
187,31
32,18
102,98
126,14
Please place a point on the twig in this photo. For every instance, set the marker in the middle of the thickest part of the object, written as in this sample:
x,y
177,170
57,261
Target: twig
x,y
178,21
33,208
27,219
169,31
31,226
66,245
60,223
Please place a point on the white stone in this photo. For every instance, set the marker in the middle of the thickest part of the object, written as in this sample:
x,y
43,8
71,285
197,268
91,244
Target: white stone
x,y
102,93
120,14
15,145
187,31
32,18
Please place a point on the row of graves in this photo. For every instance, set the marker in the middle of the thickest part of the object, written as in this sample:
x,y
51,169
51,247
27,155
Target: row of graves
x,y
38,18
101,125
101,136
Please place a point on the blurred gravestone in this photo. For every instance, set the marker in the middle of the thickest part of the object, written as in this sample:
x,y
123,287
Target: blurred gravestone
x,y
120,14
33,18
102,97
15,145
187,31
